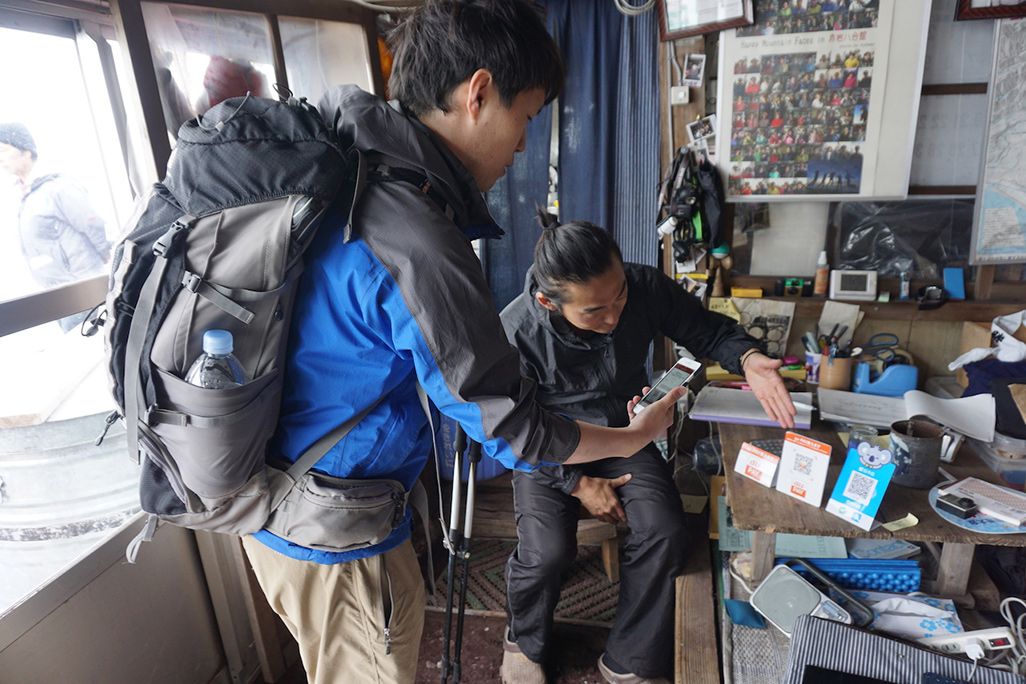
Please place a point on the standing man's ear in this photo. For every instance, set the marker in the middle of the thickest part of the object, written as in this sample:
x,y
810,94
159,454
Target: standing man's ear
x,y
477,87
546,302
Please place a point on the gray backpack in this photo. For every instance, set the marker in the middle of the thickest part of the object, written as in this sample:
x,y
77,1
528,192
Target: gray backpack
x,y
219,244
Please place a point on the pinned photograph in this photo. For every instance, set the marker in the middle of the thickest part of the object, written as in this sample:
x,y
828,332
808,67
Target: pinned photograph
x,y
990,9
694,71
701,129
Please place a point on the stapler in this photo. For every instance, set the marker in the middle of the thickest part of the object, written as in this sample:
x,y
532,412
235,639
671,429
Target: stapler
x,y
893,381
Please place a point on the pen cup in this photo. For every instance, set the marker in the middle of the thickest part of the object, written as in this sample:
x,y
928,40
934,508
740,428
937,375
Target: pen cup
x,y
812,367
835,373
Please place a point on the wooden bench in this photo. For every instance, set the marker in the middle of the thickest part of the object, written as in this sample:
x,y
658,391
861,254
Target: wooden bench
x,y
696,657
494,519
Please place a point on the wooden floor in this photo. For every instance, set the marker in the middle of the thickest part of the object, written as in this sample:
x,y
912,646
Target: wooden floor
x,y
576,650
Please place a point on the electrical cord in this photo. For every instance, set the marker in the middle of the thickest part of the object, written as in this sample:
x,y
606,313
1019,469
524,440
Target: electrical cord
x,y
975,653
678,70
388,5
630,10
1017,657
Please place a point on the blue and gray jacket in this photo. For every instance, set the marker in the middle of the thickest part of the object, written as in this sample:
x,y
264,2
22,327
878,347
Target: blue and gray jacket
x,y
404,301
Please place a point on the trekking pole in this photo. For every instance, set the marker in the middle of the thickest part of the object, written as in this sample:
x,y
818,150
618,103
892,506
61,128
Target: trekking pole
x,y
474,456
459,448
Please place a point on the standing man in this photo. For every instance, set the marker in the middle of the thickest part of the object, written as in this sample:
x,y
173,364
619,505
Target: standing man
x,y
584,325
62,237
397,298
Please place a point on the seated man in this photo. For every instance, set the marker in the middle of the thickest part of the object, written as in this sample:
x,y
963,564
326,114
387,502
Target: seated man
x,y
584,325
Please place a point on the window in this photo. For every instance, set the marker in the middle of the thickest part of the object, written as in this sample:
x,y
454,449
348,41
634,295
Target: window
x,y
203,57
64,192
321,54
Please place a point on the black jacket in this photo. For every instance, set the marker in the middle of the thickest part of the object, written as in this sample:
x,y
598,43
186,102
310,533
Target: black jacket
x,y
591,378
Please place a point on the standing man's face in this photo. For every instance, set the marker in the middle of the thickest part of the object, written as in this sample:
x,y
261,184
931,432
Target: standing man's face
x,y
504,134
481,130
15,161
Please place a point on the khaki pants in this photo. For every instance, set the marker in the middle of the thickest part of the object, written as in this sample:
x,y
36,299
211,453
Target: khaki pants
x,y
337,612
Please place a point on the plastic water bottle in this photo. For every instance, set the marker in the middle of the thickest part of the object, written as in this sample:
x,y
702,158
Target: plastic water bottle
x,y
217,367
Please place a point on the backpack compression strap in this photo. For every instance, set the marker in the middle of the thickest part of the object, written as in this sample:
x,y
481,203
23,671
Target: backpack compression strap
x,y
135,402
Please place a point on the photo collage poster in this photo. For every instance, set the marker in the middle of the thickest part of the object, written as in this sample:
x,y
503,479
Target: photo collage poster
x,y
804,83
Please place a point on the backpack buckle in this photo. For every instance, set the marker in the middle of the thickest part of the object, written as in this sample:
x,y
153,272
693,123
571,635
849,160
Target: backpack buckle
x,y
191,281
165,241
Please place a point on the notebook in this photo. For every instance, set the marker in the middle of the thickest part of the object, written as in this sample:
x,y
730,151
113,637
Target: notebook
x,y
973,416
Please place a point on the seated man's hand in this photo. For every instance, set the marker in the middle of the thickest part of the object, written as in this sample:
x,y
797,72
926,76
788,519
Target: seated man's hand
x,y
762,376
598,495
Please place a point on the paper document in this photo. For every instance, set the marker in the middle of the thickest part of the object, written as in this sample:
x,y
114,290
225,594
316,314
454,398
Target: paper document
x,y
881,549
839,315
722,405
787,545
972,416
803,468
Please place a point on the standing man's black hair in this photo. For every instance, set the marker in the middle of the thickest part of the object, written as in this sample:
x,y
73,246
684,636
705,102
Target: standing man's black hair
x,y
573,252
440,45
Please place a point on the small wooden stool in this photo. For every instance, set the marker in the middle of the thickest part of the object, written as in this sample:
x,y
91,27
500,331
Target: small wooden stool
x,y
494,519
591,531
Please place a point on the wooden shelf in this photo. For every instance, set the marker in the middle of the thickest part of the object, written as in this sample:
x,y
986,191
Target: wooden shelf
x,y
982,311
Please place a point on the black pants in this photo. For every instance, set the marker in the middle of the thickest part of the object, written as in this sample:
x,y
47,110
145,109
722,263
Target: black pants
x,y
652,556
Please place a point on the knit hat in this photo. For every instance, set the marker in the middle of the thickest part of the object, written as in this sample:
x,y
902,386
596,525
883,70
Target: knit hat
x,y
16,135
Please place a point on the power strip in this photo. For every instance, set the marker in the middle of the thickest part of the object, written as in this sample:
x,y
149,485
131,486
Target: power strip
x,y
996,639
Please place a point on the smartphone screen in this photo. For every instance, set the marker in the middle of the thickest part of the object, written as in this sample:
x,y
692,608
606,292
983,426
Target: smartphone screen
x,y
680,374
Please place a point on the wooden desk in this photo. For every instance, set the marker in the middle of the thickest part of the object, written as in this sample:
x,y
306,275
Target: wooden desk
x,y
767,511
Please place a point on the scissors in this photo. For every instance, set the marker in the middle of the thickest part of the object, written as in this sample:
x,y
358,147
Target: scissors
x,y
882,346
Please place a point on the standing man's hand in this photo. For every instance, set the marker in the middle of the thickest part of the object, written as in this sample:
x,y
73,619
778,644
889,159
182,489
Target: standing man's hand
x,y
762,376
657,417
598,495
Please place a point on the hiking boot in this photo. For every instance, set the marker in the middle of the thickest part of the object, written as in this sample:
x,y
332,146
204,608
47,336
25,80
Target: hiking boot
x,y
518,668
617,678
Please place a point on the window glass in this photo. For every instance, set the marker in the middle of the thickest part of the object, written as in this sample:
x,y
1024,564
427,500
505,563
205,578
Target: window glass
x,y
60,494
63,195
203,57
61,198
321,54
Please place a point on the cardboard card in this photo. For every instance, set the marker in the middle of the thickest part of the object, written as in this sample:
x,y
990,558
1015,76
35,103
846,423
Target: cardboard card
x,y
860,488
717,492
757,464
803,468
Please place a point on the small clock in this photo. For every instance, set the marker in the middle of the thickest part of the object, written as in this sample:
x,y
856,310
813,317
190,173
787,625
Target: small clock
x,y
855,285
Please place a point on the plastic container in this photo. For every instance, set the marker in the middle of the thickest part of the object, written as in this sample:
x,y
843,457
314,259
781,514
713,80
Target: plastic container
x,y
1011,470
217,367
822,281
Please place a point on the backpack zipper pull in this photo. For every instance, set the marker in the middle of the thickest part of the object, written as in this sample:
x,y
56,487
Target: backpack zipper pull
x,y
112,417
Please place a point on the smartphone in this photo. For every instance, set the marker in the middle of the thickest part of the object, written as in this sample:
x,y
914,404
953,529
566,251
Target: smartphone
x,y
678,376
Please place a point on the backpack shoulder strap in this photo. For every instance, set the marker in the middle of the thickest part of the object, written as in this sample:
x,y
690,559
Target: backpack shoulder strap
x,y
382,173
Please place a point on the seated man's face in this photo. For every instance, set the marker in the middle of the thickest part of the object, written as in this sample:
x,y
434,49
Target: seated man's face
x,y
596,305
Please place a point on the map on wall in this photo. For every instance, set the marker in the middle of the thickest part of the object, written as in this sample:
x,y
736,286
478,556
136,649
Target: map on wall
x,y
999,227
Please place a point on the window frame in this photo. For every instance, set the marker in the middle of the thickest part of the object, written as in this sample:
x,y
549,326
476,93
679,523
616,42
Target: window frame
x,y
135,42
249,640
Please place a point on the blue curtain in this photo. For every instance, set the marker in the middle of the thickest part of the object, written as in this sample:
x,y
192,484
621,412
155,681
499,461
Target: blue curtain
x,y
513,202
608,142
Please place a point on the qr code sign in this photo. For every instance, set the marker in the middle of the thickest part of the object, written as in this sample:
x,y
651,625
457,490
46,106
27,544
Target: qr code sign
x,y
803,464
860,488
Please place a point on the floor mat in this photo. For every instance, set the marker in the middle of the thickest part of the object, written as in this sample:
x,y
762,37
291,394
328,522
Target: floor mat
x,y
588,597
